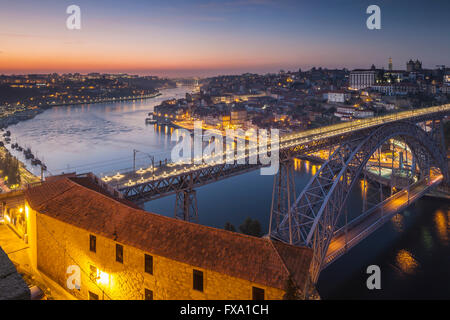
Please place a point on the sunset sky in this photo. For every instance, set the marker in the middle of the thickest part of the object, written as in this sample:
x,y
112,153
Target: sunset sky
x,y
174,38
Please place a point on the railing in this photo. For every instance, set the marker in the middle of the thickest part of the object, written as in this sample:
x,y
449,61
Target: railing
x,y
368,212
366,232
367,123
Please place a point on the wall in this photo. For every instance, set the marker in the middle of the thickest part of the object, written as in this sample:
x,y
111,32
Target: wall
x,y
60,245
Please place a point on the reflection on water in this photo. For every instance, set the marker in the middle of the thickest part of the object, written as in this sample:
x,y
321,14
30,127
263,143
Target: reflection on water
x,y
397,222
406,262
297,164
412,251
442,225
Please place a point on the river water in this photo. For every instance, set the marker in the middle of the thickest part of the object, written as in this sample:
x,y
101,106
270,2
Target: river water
x,y
412,250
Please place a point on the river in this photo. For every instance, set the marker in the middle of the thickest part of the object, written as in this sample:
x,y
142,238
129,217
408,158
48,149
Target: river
x,y
412,250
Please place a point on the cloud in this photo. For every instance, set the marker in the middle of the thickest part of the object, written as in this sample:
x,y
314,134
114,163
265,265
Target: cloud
x,y
21,35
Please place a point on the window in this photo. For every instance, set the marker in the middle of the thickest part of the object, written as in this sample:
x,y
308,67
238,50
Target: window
x,y
93,296
92,243
148,294
148,264
198,280
257,293
119,253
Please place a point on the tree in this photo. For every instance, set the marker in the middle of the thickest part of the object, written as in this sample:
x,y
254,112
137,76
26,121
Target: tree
x,y
10,168
251,227
229,227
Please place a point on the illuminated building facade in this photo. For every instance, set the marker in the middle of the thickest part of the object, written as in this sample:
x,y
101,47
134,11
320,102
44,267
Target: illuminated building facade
x,y
123,252
238,117
361,79
447,78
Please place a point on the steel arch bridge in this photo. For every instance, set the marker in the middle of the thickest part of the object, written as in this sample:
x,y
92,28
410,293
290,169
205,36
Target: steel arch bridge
x,y
312,219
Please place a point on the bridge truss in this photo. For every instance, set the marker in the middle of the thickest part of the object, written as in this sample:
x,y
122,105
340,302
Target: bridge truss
x,y
184,181
313,219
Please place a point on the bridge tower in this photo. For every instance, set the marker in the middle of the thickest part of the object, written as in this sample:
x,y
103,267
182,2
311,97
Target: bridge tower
x,y
186,206
283,196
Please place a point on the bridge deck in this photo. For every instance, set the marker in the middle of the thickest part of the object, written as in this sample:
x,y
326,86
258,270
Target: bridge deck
x,y
136,184
362,228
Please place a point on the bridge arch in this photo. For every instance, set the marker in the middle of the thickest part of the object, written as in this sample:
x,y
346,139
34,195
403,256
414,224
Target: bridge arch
x,y
314,216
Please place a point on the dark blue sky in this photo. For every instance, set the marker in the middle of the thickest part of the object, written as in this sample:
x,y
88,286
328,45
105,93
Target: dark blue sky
x,y
197,37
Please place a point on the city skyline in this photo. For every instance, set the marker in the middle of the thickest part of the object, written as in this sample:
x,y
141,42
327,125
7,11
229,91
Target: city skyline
x,y
206,38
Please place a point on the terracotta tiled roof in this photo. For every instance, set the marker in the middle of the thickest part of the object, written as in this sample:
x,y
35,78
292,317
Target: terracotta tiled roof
x,y
254,259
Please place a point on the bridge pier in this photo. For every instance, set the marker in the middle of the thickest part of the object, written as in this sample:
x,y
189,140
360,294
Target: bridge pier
x,y
283,197
186,206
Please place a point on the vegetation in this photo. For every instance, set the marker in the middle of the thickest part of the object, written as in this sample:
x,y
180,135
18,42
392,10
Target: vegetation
x,y
10,168
229,227
251,227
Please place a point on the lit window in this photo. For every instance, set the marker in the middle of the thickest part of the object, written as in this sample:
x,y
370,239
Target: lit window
x,y
198,280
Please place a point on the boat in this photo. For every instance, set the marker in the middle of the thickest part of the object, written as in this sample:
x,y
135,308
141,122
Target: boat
x,y
150,120
36,162
28,154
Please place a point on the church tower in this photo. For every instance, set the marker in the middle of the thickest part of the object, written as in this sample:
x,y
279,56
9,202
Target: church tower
x,y
390,64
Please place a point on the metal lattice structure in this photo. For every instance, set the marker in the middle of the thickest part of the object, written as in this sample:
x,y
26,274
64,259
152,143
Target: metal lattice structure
x,y
283,195
159,183
186,206
312,219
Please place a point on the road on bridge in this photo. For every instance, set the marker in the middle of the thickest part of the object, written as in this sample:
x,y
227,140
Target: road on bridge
x,y
363,227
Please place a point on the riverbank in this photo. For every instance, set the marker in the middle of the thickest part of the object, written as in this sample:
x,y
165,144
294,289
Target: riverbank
x,y
31,113
26,177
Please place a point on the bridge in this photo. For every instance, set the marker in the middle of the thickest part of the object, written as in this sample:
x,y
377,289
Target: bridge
x,y
357,230
318,217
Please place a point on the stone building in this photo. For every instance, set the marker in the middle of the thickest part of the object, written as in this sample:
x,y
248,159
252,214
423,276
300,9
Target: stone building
x,y
97,246
414,66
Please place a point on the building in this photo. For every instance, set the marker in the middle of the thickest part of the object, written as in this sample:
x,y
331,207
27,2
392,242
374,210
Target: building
x,y
123,252
361,79
345,113
338,96
387,89
414,66
361,114
447,78
238,117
